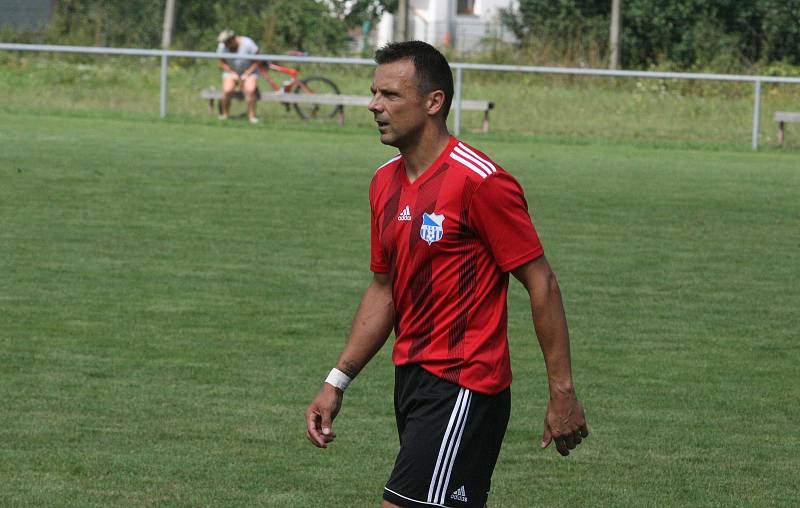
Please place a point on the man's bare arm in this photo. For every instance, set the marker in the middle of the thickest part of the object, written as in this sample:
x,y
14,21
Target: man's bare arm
x,y
251,69
371,327
225,67
564,422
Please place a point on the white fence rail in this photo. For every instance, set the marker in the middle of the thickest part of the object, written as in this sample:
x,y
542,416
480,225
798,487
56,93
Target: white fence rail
x,y
459,68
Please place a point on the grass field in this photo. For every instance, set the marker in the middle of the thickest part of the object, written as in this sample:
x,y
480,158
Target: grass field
x,y
173,293
552,108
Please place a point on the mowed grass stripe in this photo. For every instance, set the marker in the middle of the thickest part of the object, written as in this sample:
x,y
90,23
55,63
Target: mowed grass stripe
x,y
171,296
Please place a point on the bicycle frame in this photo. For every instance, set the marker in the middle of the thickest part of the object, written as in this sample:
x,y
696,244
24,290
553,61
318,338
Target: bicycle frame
x,y
287,87
308,110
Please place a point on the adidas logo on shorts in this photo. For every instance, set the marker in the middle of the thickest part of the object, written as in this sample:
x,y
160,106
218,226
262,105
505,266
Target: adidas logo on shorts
x,y
459,494
405,214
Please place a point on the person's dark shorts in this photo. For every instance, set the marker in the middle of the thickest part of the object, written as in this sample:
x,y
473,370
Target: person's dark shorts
x,y
450,438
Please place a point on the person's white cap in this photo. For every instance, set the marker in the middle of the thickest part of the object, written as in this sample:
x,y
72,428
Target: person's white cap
x,y
225,35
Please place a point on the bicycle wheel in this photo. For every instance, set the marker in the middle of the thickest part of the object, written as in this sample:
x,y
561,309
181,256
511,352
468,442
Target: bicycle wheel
x,y
317,85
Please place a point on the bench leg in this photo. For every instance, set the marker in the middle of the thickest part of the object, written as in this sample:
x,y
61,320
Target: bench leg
x,y
485,127
211,106
780,133
340,116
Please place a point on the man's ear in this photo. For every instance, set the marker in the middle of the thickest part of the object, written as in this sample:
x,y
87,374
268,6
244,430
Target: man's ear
x,y
435,102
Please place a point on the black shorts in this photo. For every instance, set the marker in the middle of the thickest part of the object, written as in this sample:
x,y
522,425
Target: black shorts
x,y
450,438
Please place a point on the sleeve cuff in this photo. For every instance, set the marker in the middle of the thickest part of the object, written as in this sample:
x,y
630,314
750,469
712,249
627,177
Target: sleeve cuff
x,y
521,260
378,268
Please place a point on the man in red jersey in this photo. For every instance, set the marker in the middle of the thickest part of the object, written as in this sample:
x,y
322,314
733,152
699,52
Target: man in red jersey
x,y
448,226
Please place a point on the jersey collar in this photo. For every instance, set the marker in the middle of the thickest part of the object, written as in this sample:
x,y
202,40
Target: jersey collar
x,y
430,170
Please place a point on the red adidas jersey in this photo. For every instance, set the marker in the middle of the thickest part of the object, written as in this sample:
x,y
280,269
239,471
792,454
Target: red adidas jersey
x,y
448,241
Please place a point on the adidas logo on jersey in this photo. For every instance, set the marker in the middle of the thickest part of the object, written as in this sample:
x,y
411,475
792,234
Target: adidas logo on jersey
x,y
405,214
459,495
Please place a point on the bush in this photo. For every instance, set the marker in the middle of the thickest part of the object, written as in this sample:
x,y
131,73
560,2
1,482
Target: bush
x,y
276,25
690,34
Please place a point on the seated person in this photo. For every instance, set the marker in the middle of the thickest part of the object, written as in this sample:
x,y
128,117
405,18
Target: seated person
x,y
239,71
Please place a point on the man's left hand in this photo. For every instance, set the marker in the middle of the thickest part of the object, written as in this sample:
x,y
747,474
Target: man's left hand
x,y
564,423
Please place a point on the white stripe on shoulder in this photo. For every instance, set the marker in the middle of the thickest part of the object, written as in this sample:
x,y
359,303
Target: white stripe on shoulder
x,y
469,165
388,162
474,154
474,159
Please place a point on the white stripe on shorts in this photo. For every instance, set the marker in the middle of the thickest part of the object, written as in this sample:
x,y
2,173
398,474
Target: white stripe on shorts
x,y
458,442
449,447
410,499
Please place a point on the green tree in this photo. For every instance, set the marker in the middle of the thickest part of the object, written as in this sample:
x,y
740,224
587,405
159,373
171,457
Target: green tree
x,y
306,25
550,19
106,23
303,25
356,12
685,33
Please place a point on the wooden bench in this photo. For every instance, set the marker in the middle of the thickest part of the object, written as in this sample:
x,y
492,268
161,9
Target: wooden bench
x,y
212,95
782,118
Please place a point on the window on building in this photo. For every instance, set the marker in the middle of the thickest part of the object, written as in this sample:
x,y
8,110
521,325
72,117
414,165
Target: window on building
x,y
465,7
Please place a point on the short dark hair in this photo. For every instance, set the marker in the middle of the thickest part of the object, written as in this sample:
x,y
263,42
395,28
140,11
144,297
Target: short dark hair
x,y
432,70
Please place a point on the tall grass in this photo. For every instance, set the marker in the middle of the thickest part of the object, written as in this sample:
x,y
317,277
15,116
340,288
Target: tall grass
x,y
553,107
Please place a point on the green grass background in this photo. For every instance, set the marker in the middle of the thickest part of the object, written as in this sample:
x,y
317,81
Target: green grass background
x,y
548,107
172,294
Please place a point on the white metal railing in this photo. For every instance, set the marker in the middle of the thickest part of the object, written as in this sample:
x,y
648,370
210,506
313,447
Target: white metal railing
x,y
459,68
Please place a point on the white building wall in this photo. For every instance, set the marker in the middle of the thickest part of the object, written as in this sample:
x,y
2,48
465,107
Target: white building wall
x,y
436,22
428,19
488,10
384,30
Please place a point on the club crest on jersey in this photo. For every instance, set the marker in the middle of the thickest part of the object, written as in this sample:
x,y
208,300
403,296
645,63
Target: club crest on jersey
x,y
431,230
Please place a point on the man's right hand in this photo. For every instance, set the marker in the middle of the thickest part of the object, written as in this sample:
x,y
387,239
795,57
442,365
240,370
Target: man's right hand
x,y
320,414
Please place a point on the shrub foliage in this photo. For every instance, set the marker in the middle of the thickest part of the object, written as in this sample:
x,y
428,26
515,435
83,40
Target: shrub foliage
x,y
685,33
277,25
723,35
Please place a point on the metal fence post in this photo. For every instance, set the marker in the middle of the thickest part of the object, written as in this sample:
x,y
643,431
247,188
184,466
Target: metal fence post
x,y
757,114
459,68
164,68
457,101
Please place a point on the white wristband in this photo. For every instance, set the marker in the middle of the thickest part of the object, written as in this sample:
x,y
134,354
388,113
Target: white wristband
x,y
338,379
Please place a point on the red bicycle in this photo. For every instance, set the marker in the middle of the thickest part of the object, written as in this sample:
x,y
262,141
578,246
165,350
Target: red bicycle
x,y
313,85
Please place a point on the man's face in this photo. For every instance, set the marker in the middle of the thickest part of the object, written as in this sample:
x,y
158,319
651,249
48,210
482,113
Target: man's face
x,y
399,109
